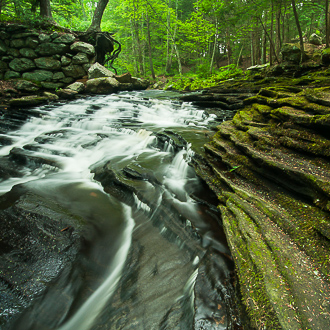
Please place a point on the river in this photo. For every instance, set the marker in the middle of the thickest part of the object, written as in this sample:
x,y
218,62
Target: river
x,y
158,257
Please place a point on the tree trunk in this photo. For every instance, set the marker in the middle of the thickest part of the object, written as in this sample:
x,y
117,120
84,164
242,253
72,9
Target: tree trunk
x,y
271,48
150,51
301,40
278,29
97,17
327,23
45,9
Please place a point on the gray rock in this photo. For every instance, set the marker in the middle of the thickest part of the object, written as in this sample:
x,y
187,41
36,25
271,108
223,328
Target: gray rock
x,y
51,85
79,87
80,58
28,52
21,64
67,93
12,75
3,48
83,47
125,78
65,60
98,71
50,96
49,48
28,101
314,39
102,85
47,63
44,38
26,86
74,71
38,75
66,38
139,83
58,75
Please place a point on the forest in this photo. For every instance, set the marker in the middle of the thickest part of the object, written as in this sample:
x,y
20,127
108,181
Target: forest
x,y
186,37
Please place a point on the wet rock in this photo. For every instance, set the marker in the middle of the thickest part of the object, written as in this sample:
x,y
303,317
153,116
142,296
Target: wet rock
x,y
35,247
79,87
67,93
28,101
102,85
51,96
99,71
139,83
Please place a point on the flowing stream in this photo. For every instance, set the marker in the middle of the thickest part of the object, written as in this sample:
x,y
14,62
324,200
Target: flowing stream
x,y
159,259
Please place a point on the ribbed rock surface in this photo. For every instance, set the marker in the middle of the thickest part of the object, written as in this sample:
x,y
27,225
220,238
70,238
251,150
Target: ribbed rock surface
x,y
270,168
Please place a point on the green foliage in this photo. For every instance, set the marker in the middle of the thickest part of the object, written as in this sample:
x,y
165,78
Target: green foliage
x,y
193,81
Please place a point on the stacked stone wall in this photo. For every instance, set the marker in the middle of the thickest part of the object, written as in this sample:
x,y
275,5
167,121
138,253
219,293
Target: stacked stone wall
x,y
53,59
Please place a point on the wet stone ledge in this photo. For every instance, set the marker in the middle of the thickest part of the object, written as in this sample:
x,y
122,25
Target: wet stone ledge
x,y
270,169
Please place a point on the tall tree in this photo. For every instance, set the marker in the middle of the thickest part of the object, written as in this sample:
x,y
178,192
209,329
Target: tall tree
x,y
45,9
301,40
97,17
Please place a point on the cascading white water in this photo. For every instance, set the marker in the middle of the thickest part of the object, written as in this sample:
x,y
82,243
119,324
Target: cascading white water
x,y
82,135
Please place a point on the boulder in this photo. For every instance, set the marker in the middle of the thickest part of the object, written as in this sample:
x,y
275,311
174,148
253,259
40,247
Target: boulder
x,y
48,63
51,96
22,64
102,85
78,87
67,93
315,39
58,75
291,53
125,78
38,75
98,71
139,83
44,38
74,71
83,47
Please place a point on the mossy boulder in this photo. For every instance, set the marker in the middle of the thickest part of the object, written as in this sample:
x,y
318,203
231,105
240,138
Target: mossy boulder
x,y
291,53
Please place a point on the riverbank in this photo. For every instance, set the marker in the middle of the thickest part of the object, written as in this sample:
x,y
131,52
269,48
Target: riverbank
x,y
270,169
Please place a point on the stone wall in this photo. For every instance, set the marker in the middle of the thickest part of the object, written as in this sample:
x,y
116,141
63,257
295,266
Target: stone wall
x,y
53,59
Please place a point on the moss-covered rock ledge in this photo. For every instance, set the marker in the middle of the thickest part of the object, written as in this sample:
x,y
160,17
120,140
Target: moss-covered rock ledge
x,y
270,167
